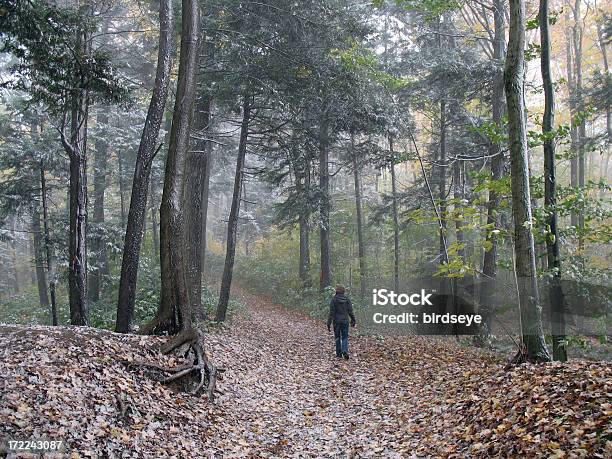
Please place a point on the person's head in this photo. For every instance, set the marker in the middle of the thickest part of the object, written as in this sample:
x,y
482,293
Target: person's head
x,y
340,289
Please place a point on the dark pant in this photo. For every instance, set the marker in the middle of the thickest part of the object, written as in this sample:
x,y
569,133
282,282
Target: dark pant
x,y
341,332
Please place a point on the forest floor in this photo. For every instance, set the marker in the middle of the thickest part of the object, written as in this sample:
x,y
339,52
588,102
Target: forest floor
x,y
286,395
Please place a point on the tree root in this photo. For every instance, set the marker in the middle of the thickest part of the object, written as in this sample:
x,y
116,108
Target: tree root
x,y
197,375
159,325
521,357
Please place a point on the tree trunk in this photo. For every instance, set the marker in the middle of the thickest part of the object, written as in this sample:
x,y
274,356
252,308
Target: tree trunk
x,y
458,198
98,249
581,166
76,148
154,223
550,198
529,302
325,204
121,183
48,247
194,194
302,185
601,40
304,249
32,257
13,245
442,190
571,84
205,194
232,223
39,258
359,211
396,253
174,312
142,173
77,274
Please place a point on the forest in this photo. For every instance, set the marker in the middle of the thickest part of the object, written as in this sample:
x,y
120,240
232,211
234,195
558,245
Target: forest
x,y
190,189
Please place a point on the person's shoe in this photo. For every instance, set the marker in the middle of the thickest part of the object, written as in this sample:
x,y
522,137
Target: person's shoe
x,y
345,355
338,355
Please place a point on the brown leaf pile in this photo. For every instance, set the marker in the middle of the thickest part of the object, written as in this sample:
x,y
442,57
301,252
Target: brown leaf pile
x,y
69,383
285,395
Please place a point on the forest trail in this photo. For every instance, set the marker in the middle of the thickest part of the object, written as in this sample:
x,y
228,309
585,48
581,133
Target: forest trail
x,y
286,395
292,396
292,393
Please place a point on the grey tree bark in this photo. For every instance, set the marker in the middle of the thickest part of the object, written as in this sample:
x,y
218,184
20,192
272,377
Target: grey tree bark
x,y
142,173
394,208
76,148
232,223
491,256
48,246
550,198
577,34
442,190
302,184
39,257
359,212
196,196
601,43
205,194
458,198
571,83
98,249
529,302
174,312
325,205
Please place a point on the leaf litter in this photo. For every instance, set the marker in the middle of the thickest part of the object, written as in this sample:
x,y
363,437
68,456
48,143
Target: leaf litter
x,y
284,394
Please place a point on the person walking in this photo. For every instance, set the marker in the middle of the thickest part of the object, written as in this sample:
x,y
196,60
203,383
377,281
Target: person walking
x,y
340,311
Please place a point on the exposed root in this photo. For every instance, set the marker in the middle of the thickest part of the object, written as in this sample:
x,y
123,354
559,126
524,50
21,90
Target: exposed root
x,y
521,357
188,336
158,326
196,376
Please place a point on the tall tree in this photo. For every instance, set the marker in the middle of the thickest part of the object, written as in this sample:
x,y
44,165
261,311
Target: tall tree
x,y
325,279
174,312
97,245
580,167
571,84
48,247
39,257
359,215
302,183
76,147
196,190
142,172
529,302
394,207
550,198
232,224
491,255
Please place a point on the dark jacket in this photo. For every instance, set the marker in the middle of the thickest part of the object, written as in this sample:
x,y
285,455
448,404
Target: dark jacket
x,y
340,309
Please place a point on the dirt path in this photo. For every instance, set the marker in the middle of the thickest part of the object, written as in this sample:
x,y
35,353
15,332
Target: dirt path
x,y
291,396
286,395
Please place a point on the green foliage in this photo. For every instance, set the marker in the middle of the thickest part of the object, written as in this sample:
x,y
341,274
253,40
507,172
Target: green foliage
x,y
533,51
50,46
430,8
534,23
24,308
537,138
359,59
491,130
